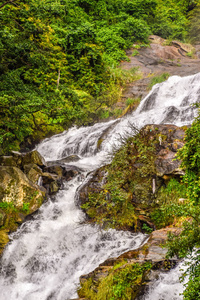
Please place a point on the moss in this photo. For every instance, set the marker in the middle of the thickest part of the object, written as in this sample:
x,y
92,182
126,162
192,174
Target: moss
x,y
100,141
4,239
167,206
124,282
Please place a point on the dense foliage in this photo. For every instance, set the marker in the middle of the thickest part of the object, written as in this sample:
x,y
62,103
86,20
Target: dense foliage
x,y
58,58
127,192
194,31
188,242
123,282
115,205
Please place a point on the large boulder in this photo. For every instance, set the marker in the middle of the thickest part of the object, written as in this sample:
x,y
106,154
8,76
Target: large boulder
x,y
18,197
16,188
33,157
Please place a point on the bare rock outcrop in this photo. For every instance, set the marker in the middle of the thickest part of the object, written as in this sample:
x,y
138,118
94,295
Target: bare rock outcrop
x,y
160,58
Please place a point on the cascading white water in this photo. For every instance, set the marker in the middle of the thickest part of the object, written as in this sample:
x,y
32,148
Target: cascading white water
x,y
169,102
168,286
48,254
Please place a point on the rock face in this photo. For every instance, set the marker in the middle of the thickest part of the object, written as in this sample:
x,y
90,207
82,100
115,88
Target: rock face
x,y
152,252
25,182
159,58
171,138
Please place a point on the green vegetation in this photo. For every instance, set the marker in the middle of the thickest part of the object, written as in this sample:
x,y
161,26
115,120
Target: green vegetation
x,y
26,208
8,207
59,66
123,282
128,188
170,202
114,206
10,215
132,101
128,191
194,31
189,239
158,79
59,60
175,202
135,52
147,229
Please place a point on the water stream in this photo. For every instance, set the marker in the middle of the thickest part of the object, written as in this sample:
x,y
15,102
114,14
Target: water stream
x,y
47,255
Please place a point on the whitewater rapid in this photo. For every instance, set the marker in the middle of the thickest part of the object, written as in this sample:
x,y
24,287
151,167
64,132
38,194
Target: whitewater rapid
x,y
47,255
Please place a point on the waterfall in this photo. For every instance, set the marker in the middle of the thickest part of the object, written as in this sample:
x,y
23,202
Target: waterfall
x,y
167,286
47,255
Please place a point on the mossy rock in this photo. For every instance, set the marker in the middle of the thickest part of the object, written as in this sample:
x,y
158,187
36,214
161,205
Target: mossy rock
x,y
33,172
2,217
33,157
8,161
4,239
16,188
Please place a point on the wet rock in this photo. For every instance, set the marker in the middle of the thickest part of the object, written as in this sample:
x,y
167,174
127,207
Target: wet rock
x,y
58,170
70,172
25,180
150,103
153,250
51,182
49,177
66,172
171,113
54,187
33,157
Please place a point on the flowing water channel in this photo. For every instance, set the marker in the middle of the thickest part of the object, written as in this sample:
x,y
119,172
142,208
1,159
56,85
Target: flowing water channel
x,y
47,255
